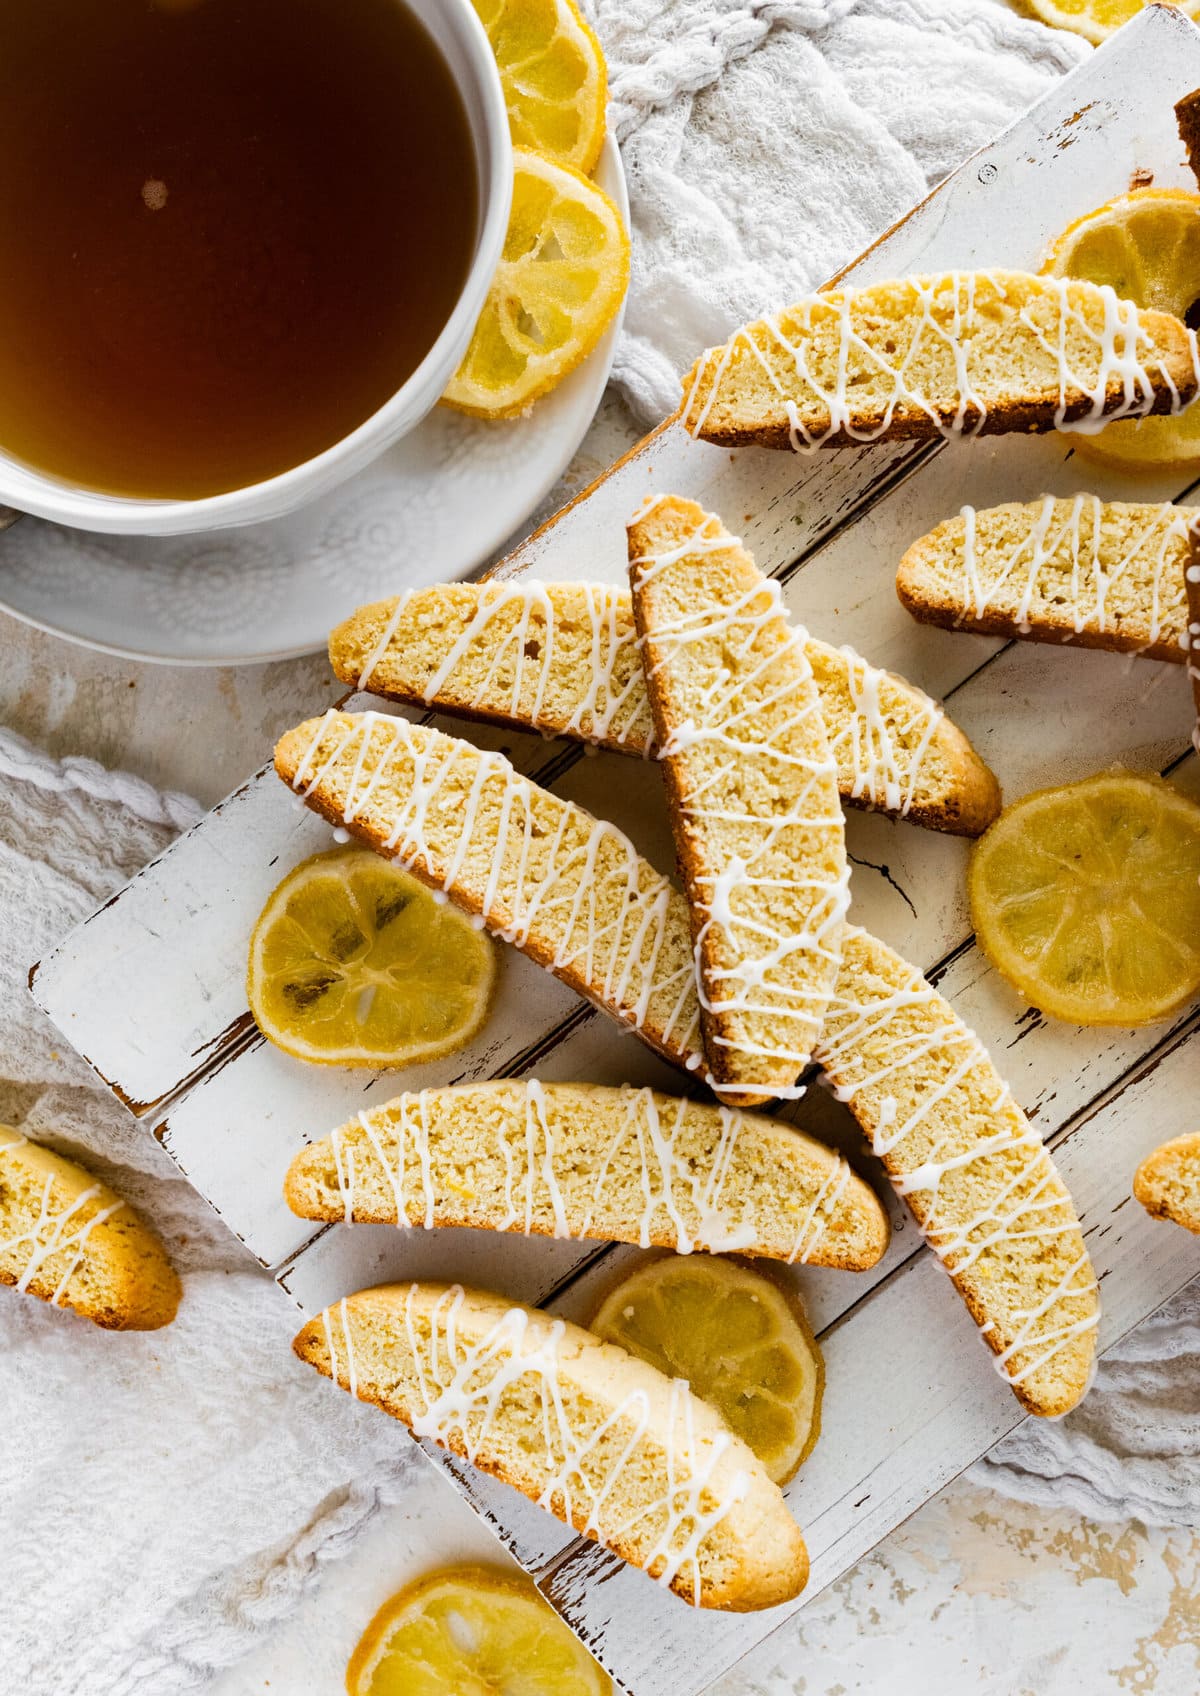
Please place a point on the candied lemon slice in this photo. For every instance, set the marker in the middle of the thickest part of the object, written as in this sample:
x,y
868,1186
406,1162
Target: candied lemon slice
x,y
558,286
741,1340
1095,20
354,963
1146,245
552,71
1087,898
470,1632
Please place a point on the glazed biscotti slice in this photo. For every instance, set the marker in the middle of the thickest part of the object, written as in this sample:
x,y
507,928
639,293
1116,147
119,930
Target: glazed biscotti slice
x,y
752,794
959,353
1167,1183
73,1242
974,1172
563,659
569,890
1094,573
606,1443
578,1160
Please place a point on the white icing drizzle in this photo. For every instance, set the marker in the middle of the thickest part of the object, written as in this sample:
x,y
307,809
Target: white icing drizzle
x,y
881,752
442,806
48,1232
768,976
927,1056
1057,561
412,1139
950,309
462,1386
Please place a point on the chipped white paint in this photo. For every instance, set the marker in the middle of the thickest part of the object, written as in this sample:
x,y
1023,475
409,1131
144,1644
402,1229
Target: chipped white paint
x,y
169,953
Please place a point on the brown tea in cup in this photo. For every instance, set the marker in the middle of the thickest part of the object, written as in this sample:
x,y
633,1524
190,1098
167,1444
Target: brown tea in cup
x,y
229,231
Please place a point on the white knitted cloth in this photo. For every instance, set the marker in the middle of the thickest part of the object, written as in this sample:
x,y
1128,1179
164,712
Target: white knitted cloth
x,y
766,142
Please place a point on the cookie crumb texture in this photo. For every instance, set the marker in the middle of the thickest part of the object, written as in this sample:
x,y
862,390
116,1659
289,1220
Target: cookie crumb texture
x,y
1168,1182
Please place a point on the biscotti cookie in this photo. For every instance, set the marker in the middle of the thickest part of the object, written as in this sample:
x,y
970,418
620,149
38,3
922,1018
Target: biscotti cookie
x,y
578,1160
974,1172
752,794
959,353
603,1441
1167,1183
1093,573
73,1242
563,659
569,890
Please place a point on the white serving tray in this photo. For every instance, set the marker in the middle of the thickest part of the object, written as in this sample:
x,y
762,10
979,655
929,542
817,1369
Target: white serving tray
x,y
150,989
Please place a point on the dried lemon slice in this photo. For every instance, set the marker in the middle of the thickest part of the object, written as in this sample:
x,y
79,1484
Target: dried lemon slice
x,y
1087,898
470,1632
552,70
740,1339
1095,20
1146,244
558,286
354,963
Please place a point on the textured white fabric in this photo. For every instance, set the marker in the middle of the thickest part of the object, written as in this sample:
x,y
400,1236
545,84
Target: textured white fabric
x,y
162,1496
766,142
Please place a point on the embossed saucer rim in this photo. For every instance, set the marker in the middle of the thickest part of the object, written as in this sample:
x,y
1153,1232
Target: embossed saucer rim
x,y
579,395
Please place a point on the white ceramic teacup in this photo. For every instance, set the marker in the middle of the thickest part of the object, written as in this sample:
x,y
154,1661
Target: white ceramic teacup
x,y
456,29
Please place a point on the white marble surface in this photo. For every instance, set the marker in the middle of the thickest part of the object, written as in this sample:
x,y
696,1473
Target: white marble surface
x,y
973,1594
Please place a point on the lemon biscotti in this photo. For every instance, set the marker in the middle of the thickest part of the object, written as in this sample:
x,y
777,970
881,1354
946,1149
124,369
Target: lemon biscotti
x,y
563,659
603,1441
963,352
71,1241
752,793
1167,1183
972,1169
1096,574
569,890
579,1160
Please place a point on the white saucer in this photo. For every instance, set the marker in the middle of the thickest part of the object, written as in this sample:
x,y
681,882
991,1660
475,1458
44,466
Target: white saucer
x,y
433,507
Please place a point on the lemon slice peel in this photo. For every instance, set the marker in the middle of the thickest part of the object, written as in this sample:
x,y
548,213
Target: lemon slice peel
x,y
352,962
1108,938
690,1317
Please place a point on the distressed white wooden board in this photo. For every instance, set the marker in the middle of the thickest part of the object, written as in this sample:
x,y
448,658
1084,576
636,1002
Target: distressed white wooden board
x,y
832,526
911,1398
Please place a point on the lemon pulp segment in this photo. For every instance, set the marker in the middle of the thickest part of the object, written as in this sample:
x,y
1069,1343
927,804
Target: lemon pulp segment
x,y
1087,898
742,1342
354,963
